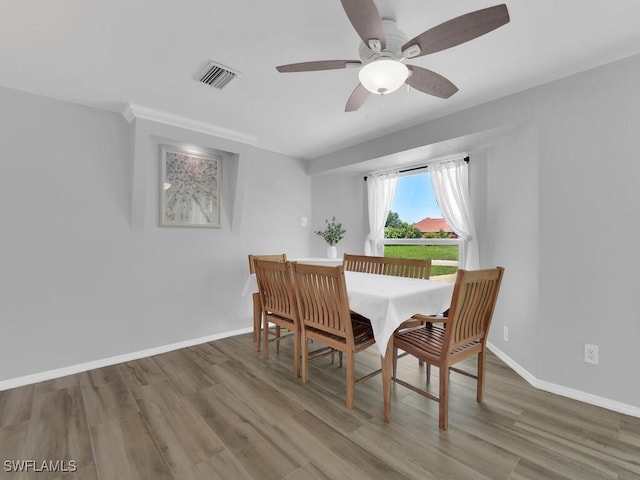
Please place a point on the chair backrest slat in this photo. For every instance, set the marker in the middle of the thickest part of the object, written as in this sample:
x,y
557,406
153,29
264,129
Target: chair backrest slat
x,y
281,257
322,299
399,267
472,305
275,286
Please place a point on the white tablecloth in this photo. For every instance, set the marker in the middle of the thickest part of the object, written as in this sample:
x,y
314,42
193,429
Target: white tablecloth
x,y
387,300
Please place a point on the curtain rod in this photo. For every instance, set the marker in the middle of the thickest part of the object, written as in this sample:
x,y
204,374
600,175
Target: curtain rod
x,y
466,159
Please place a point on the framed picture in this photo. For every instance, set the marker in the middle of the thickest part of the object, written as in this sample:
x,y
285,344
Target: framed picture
x,y
190,189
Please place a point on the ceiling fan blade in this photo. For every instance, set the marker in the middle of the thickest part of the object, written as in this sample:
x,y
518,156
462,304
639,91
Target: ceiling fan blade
x,y
459,30
319,65
430,82
357,98
365,18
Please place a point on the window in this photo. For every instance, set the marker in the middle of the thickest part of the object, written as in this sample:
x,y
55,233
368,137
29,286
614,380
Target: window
x,y
416,228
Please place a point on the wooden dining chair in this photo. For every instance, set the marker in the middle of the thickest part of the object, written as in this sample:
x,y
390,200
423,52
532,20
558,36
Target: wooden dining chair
x,y
278,305
445,341
324,315
257,312
399,267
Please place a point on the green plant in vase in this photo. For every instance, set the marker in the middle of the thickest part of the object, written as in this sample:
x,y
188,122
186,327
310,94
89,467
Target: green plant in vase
x,y
332,234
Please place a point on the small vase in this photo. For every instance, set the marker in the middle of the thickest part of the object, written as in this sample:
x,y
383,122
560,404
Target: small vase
x,y
332,252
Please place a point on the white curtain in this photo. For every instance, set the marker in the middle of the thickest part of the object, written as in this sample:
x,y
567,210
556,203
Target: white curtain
x,y
450,181
380,192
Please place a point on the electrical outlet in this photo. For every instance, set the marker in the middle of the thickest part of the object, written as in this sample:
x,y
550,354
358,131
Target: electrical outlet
x,y
591,354
506,334
303,221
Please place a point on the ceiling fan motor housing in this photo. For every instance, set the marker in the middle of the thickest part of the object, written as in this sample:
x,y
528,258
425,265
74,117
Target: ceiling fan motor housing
x,y
395,39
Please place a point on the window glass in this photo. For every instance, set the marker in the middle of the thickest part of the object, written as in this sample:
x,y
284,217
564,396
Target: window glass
x,y
415,215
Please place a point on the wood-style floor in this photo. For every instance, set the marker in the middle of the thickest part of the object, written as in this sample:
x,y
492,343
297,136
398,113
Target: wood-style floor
x,y
217,411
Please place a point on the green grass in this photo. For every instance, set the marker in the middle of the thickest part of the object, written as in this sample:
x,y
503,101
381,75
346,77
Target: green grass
x,y
434,252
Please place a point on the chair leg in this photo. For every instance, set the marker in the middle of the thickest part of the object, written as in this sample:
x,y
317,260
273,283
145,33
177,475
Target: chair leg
x,y
428,369
444,397
265,337
257,320
277,339
339,359
480,386
395,361
296,354
305,358
350,379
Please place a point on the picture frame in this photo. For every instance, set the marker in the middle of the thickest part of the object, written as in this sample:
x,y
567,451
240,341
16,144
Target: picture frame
x,y
190,189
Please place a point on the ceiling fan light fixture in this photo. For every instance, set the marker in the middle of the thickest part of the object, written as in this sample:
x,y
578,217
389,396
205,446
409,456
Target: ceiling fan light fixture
x,y
383,76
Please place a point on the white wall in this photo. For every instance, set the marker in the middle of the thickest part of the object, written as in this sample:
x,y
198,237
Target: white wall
x,y
87,273
562,188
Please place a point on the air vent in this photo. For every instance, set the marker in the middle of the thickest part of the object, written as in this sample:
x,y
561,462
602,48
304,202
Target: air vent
x,y
217,75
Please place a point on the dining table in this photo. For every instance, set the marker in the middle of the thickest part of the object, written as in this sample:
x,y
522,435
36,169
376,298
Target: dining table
x,y
387,300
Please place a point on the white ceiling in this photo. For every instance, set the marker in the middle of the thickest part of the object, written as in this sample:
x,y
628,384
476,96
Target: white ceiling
x,y
148,52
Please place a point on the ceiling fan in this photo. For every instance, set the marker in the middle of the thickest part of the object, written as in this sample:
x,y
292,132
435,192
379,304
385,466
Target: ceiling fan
x,y
385,49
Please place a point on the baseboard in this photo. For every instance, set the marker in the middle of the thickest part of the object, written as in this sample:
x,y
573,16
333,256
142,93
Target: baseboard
x,y
579,395
105,362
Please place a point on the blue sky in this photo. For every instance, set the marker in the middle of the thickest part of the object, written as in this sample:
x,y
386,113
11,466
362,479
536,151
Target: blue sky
x,y
414,199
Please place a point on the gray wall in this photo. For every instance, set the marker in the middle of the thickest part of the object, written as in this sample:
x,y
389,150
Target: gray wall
x,y
557,199
87,273
341,196
510,237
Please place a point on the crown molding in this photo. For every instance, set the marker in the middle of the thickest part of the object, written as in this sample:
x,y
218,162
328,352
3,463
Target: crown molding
x,y
133,111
